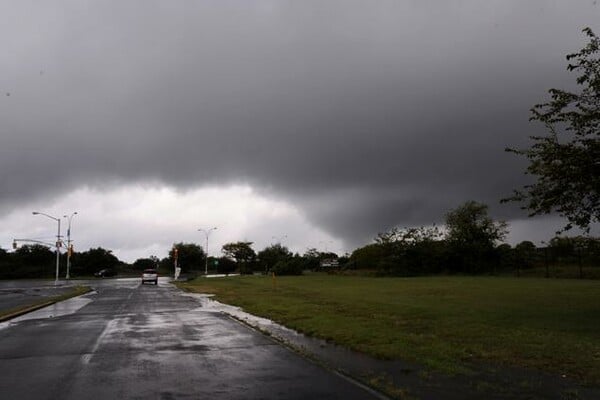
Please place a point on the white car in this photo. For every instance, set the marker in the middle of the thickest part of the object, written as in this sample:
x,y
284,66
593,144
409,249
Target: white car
x,y
150,275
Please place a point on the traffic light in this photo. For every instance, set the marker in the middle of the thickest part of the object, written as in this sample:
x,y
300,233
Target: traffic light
x,y
14,244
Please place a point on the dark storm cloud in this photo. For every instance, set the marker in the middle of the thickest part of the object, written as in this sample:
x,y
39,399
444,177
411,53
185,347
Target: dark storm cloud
x,y
364,114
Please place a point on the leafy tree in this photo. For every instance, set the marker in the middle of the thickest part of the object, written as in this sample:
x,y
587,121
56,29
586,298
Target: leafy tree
x,y
505,257
411,251
562,248
566,162
145,263
403,251
33,261
472,236
367,257
6,264
312,258
290,266
190,256
225,265
470,223
343,260
271,255
92,260
242,253
408,236
525,254
568,249
35,254
311,253
166,265
328,255
593,250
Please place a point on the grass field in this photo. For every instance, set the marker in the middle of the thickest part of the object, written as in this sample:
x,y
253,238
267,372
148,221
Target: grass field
x,y
445,323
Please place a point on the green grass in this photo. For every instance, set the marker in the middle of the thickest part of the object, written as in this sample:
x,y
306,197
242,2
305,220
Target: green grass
x,y
15,311
445,323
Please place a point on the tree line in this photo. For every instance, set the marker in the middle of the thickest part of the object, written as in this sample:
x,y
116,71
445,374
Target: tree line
x,y
239,257
469,242
39,261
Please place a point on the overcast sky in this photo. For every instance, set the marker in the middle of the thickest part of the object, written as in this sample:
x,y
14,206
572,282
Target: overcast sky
x,y
311,123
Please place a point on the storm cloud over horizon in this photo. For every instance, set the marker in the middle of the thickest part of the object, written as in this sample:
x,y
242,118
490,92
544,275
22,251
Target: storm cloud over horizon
x,y
362,115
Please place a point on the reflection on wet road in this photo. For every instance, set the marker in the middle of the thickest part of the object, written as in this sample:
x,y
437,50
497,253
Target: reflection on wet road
x,y
130,341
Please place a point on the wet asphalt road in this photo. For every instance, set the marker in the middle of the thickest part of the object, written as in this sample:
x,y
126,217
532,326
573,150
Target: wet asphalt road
x,y
149,342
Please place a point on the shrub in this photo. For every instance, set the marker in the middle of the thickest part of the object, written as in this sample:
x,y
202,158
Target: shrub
x,y
292,266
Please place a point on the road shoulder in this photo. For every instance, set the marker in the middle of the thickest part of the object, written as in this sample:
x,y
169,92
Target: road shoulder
x,y
13,312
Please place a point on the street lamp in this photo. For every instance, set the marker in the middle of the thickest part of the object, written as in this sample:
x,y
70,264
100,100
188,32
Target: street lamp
x,y
69,248
207,233
57,240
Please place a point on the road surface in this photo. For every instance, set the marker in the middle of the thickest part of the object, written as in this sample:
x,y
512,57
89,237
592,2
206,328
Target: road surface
x,y
129,341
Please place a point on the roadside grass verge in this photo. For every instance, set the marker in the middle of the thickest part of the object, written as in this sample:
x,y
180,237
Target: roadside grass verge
x,y
34,305
449,324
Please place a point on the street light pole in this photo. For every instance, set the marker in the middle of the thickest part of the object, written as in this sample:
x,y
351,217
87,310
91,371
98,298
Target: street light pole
x,y
57,241
67,276
207,233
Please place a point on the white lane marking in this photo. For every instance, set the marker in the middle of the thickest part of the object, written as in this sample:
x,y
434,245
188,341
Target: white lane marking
x,y
87,358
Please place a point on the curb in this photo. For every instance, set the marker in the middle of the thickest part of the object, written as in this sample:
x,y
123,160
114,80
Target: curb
x,y
312,358
36,307
26,310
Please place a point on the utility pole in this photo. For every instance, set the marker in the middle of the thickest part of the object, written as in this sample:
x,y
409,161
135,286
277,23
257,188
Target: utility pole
x,y
58,242
207,233
69,245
